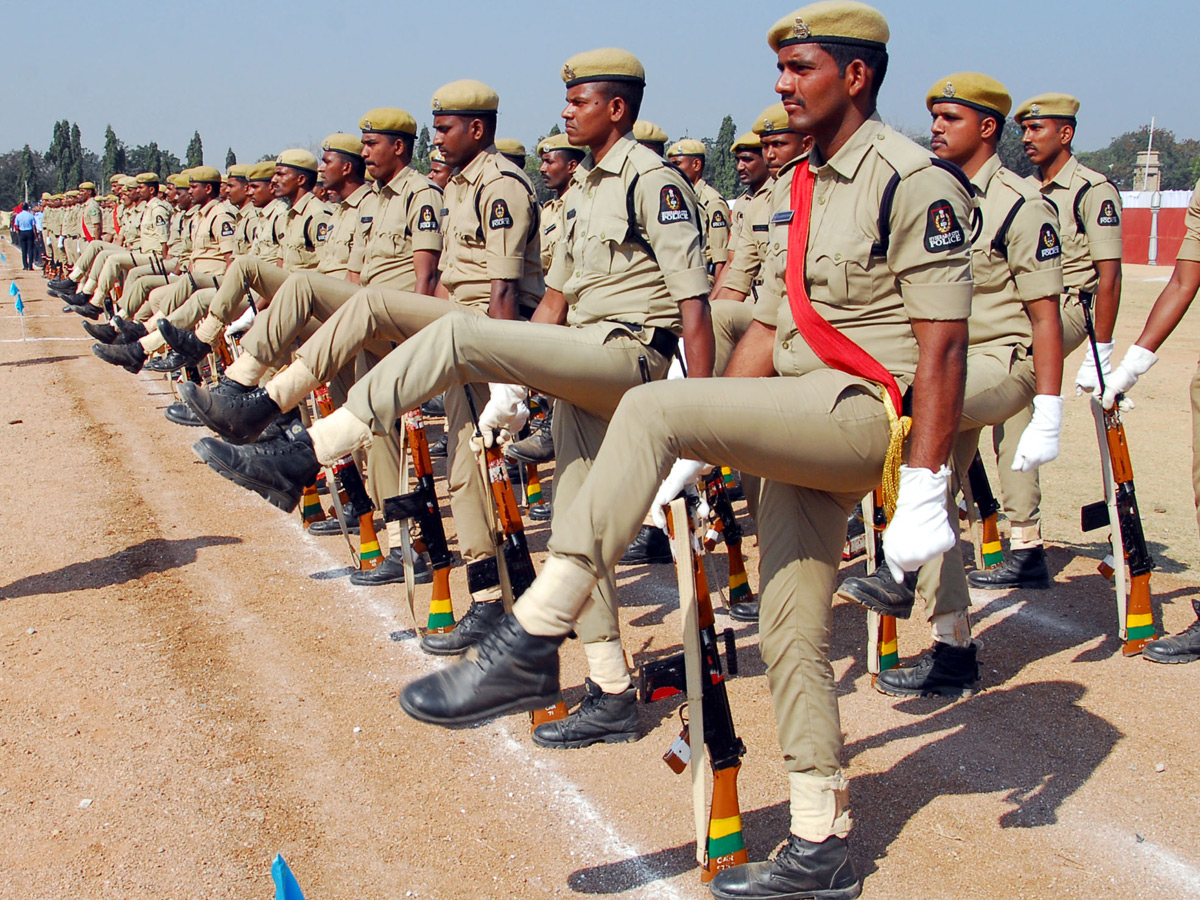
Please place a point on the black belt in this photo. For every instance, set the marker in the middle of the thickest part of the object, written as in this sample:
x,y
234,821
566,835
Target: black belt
x,y
662,341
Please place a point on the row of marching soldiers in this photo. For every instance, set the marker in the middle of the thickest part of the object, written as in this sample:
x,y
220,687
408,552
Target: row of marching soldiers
x,y
905,302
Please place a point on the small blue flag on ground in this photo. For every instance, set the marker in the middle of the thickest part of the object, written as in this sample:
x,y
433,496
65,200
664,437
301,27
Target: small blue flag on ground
x,y
12,289
3,258
286,886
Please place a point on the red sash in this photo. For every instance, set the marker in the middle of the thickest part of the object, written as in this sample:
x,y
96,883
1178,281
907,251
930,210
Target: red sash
x,y
832,347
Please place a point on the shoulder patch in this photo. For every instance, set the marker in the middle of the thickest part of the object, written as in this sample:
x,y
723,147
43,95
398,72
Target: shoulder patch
x,y
942,230
322,230
1108,214
671,207
718,220
499,216
227,229
427,221
160,220
1049,245
782,217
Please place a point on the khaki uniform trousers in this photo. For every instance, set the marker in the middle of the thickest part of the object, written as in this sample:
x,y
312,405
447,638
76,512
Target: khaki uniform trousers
x,y
195,307
297,302
730,320
73,249
116,265
1000,383
87,258
168,298
139,282
246,273
1021,492
586,370
818,441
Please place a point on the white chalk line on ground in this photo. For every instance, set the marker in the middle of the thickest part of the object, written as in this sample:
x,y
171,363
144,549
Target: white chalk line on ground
x,y
579,809
32,339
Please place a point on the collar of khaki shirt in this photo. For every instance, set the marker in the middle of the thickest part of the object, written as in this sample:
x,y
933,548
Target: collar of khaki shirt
x,y
851,154
1065,174
356,198
304,202
474,169
986,173
614,159
396,185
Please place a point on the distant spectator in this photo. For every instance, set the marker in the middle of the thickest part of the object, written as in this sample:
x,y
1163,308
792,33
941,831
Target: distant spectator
x,y
24,226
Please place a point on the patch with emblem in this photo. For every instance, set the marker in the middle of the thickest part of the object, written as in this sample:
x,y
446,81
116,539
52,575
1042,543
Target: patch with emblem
x,y
500,217
322,231
782,217
160,220
942,231
1049,245
671,207
1108,214
227,230
718,220
426,220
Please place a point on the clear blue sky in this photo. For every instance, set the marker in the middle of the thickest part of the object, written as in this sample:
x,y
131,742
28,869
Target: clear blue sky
x,y
261,77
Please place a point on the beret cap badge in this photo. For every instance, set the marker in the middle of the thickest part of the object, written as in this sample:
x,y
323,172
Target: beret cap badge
x,y
948,90
801,29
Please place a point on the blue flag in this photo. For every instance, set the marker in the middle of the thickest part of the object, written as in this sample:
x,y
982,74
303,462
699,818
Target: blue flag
x,y
3,258
286,886
12,289
20,305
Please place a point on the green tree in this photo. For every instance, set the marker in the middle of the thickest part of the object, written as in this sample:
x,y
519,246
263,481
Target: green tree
x,y
230,159
421,151
28,185
1119,159
1012,153
58,154
720,168
114,155
195,151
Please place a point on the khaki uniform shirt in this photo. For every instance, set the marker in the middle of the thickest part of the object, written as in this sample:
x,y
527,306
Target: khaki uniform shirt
x,y
1027,265
249,217
212,238
553,226
154,227
1190,248
93,220
305,230
871,299
345,232
491,232
267,242
50,225
1100,212
179,243
71,221
637,273
714,212
131,220
399,218
749,247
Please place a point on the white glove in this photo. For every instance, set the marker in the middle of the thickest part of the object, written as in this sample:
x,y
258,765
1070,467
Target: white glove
x,y
506,413
1039,440
920,530
1085,381
683,474
242,323
1137,362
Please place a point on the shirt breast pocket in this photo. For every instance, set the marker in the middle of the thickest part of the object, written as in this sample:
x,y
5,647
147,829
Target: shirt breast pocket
x,y
845,266
602,245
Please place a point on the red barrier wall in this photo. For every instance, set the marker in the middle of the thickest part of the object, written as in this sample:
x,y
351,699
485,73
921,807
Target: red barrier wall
x,y
1135,235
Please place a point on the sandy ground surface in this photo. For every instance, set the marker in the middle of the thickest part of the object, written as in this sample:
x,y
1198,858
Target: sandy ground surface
x,y
189,685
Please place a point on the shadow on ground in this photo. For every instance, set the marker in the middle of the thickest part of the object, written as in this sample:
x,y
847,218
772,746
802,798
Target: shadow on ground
x,y
41,360
148,557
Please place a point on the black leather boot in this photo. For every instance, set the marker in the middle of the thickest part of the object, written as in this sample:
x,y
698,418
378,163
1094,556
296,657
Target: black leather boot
x,y
391,571
234,411
434,406
1180,648
1021,569
276,470
438,448
511,671
650,547
880,593
477,622
105,334
944,671
331,526
744,612
600,718
88,310
802,870
171,361
180,414
537,448
130,331
130,357
185,343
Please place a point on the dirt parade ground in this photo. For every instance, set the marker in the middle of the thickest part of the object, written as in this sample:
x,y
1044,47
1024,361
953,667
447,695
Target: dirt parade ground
x,y
189,685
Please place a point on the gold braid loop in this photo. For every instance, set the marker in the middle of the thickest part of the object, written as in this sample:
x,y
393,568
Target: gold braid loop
x,y
898,428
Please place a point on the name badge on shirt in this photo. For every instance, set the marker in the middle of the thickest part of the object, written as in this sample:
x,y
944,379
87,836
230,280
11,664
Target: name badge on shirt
x,y
783,217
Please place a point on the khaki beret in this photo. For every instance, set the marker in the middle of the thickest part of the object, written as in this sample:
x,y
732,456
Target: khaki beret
x,y
387,120
72,194
972,89
556,142
687,147
204,175
45,195
346,144
262,171
748,141
180,181
772,120
607,64
510,146
147,178
648,131
1048,106
240,170
831,22
116,178
87,186
464,98
297,159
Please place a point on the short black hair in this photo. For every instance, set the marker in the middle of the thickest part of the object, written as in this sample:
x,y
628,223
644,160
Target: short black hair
x,y
571,153
358,166
629,91
310,178
874,59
